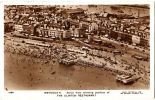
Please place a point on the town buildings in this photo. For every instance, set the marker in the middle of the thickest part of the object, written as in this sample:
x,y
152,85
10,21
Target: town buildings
x,y
129,24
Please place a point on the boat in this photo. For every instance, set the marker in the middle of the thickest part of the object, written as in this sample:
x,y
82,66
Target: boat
x,y
125,79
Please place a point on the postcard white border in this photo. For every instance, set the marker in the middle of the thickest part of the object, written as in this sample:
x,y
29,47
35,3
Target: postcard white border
x,y
114,94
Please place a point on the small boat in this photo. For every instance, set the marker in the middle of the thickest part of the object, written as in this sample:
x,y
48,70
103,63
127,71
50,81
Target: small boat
x,y
125,79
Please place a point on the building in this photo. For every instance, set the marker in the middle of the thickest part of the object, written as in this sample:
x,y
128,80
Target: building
x,y
18,28
52,32
8,27
66,34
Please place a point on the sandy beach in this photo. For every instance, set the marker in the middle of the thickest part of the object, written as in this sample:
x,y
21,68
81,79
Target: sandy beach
x,y
30,73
